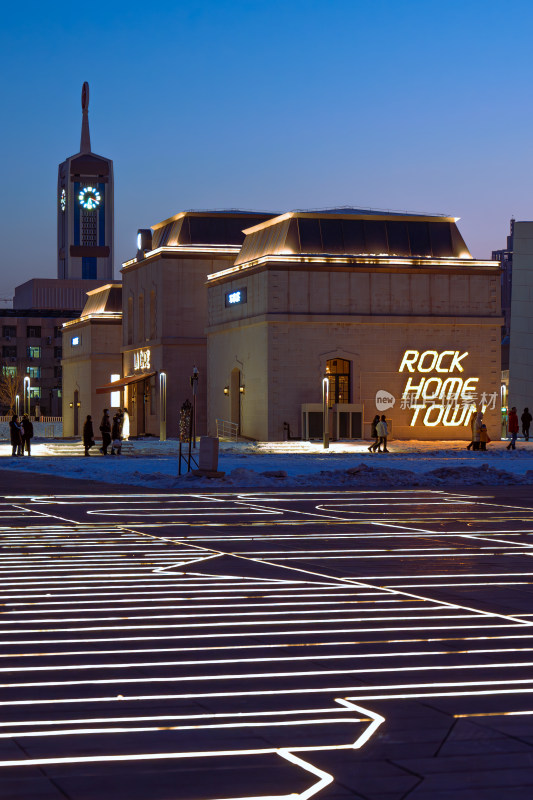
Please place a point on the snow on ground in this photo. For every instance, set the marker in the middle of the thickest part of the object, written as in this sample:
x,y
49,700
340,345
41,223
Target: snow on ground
x,y
154,464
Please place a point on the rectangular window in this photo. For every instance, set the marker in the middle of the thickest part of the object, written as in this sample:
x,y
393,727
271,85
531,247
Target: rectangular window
x,y
35,392
9,351
11,371
75,341
33,351
130,320
34,372
58,352
115,396
9,331
141,318
58,330
33,332
236,297
153,316
88,268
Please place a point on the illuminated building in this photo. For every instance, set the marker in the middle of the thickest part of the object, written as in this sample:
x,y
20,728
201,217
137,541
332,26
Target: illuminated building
x,y
391,307
505,257
92,357
85,210
165,314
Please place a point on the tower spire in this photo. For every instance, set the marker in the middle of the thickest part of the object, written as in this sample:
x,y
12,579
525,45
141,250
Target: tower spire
x,y
85,144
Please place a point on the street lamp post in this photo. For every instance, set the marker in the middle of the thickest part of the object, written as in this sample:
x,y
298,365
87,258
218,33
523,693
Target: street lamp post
x,y
194,384
325,410
162,406
27,395
17,405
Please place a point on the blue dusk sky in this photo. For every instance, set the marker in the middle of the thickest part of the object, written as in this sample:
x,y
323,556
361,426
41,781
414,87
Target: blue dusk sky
x,y
392,104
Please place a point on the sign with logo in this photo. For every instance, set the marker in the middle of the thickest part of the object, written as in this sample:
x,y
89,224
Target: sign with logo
x,y
384,400
141,360
236,297
442,398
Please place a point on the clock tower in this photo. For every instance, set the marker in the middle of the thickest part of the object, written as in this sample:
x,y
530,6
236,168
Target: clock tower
x,y
85,210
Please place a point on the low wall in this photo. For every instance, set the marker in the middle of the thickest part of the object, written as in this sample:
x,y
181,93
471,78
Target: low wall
x,y
41,430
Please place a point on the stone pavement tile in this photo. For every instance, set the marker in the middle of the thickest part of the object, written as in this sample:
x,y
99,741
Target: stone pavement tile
x,y
513,793
29,789
182,779
364,777
480,780
505,744
469,763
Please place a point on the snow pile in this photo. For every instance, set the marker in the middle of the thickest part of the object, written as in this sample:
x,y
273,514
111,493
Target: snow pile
x,y
154,464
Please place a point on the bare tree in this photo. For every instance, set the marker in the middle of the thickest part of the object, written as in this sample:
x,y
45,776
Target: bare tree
x,y
10,386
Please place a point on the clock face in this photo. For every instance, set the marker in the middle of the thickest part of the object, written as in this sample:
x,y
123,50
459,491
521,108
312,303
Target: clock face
x,y
63,200
89,198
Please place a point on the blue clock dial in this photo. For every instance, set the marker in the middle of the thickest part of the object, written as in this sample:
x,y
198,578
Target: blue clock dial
x,y
89,198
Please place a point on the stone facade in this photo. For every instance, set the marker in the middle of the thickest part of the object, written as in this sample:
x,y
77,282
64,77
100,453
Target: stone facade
x,y
91,356
301,312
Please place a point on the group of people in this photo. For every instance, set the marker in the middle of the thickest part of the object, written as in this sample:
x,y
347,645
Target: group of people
x,y
379,431
21,432
111,433
480,437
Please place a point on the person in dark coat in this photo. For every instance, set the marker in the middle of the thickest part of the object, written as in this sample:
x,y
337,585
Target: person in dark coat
x,y
116,435
374,434
105,427
526,422
88,434
27,434
15,431
513,428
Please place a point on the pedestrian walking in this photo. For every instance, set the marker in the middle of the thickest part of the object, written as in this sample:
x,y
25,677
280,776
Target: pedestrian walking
x,y
15,431
513,428
526,422
478,422
374,435
484,438
88,434
116,435
27,434
382,431
105,428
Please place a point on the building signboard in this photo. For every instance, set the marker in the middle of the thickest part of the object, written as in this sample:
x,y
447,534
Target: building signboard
x,y
141,360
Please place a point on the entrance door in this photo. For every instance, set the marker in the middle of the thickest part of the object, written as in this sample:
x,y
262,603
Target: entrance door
x,y
235,396
76,412
141,406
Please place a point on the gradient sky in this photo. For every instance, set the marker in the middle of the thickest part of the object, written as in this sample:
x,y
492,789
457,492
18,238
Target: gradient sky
x,y
401,104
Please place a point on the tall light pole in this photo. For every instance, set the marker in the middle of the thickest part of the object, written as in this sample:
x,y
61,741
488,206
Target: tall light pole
x,y
162,406
325,410
27,395
194,384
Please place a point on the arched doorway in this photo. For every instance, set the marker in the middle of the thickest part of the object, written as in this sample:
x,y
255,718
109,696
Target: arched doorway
x,y
235,396
338,372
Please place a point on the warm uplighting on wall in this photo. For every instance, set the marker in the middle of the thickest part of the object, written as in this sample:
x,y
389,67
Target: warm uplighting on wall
x,y
226,389
241,389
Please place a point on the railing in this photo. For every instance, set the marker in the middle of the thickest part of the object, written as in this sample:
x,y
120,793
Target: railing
x,y
33,419
227,430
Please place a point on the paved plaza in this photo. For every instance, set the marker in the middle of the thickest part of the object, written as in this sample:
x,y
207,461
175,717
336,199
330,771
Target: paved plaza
x,y
263,645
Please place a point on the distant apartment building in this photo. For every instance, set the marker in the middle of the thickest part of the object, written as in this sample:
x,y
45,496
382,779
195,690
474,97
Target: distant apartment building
x,y
505,257
31,338
31,347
